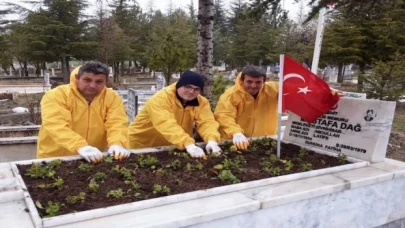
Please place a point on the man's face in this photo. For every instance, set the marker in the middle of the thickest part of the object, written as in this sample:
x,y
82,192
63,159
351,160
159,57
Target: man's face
x,y
253,85
89,84
188,92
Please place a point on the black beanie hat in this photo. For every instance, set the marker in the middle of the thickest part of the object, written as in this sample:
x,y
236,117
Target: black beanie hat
x,y
190,78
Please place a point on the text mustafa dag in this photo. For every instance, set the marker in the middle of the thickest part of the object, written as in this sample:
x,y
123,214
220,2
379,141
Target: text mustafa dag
x,y
325,127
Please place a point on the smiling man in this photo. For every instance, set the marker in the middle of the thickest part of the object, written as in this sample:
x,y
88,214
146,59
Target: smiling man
x,y
249,108
169,116
83,117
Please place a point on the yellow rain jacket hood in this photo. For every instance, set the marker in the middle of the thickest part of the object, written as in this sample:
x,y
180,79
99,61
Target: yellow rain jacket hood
x,y
238,111
163,122
69,122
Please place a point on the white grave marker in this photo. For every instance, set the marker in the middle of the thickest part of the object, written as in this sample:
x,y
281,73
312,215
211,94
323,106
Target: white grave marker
x,y
111,73
53,72
46,79
160,82
131,105
356,127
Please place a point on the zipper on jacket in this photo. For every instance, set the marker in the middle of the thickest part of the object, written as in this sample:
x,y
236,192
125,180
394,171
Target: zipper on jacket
x,y
88,122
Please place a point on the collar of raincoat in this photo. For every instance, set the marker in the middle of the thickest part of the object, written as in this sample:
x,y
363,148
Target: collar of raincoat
x,y
239,86
73,82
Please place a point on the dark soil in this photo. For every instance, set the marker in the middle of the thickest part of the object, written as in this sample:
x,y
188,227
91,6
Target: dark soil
x,y
174,172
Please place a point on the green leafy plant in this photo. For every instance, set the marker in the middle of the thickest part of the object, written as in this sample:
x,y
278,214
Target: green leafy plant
x,y
124,172
342,158
147,161
323,162
117,193
37,170
135,185
85,167
302,153
273,144
74,199
108,159
288,165
273,170
306,167
199,166
93,185
159,189
176,164
52,209
55,163
58,183
179,181
226,175
99,176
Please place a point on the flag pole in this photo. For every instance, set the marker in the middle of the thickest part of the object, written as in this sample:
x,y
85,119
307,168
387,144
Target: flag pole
x,y
280,102
318,40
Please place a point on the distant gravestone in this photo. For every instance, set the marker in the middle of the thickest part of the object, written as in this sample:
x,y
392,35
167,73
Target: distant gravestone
x,y
132,105
160,82
53,72
110,74
46,79
356,127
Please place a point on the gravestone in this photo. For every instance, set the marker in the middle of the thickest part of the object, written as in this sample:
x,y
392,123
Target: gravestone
x,y
132,105
46,79
356,127
160,82
110,74
53,72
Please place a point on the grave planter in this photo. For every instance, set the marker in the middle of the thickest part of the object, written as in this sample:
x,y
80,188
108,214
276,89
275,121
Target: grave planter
x,y
70,190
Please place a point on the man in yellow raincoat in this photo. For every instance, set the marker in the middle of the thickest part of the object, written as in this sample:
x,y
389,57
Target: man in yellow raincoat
x,y
169,115
83,117
249,108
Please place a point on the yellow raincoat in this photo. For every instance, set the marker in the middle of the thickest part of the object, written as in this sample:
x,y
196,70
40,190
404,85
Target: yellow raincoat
x,y
163,122
239,112
69,123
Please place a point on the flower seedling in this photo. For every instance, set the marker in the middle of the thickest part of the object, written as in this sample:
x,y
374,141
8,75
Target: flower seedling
x,y
85,167
108,159
55,163
159,189
306,167
176,164
135,185
52,209
226,175
288,165
147,161
118,193
93,185
302,153
342,158
37,171
99,176
58,184
74,199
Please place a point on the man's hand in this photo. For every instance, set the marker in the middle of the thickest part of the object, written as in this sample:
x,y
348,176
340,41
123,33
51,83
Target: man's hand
x,y
240,141
91,154
195,151
118,152
212,147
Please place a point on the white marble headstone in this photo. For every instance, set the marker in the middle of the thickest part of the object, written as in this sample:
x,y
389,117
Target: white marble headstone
x,y
131,105
46,79
111,74
358,128
53,72
160,82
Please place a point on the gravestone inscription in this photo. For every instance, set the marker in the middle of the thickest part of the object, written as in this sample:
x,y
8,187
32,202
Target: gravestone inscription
x,y
358,128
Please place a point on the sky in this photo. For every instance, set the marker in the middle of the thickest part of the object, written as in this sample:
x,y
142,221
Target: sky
x,y
163,5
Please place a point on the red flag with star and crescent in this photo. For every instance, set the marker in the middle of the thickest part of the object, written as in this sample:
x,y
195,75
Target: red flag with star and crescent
x,y
305,94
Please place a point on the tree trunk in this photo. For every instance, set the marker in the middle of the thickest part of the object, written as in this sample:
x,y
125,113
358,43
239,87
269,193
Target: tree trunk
x,y
362,67
5,70
37,69
205,44
116,66
25,72
65,69
340,73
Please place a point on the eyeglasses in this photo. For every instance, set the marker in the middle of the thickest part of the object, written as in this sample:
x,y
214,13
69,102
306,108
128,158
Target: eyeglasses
x,y
192,89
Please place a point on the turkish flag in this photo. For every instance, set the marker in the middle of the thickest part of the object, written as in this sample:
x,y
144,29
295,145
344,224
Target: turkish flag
x,y
305,94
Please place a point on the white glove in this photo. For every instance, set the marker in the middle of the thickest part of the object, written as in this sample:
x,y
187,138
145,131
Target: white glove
x,y
118,152
212,147
91,154
240,141
195,151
